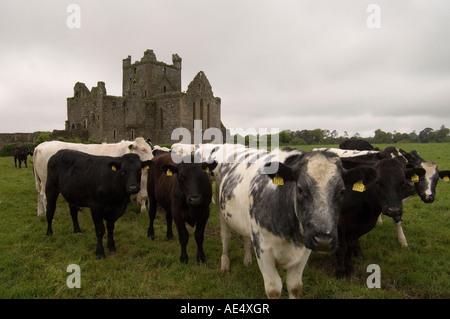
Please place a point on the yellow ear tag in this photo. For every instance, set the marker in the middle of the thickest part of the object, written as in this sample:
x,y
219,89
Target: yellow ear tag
x,y
446,179
207,169
113,168
147,167
414,178
169,172
359,187
278,180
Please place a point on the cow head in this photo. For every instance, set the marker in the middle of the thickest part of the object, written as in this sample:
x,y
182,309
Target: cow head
x,y
141,148
391,184
426,187
320,184
129,167
192,179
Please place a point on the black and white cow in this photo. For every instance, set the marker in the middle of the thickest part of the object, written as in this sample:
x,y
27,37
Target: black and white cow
x,y
102,183
285,212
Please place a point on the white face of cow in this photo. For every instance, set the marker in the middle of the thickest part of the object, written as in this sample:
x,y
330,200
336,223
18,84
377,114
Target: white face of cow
x,y
426,188
141,148
319,196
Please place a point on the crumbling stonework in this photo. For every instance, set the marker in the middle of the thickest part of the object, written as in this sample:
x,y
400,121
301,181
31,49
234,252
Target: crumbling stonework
x,y
152,104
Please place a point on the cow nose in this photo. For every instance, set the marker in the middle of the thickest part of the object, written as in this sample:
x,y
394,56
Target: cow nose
x,y
194,200
323,242
133,189
393,210
428,199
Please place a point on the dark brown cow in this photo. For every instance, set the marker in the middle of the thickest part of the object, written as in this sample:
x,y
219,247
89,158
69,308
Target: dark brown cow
x,y
184,191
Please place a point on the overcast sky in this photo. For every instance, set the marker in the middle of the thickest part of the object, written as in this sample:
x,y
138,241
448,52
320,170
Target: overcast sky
x,y
275,64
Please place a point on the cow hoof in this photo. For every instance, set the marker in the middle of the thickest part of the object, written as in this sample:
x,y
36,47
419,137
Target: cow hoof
x,y
100,256
201,260
183,260
77,231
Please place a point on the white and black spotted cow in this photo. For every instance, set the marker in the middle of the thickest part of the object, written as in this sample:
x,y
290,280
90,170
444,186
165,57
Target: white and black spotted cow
x,y
286,213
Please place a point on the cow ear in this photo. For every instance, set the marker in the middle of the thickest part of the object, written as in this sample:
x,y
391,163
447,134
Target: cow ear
x,y
146,164
114,165
366,174
169,169
209,167
414,174
445,175
285,172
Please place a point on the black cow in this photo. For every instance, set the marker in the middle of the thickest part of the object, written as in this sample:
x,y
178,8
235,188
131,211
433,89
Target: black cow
x,y
102,183
184,190
364,203
20,154
355,144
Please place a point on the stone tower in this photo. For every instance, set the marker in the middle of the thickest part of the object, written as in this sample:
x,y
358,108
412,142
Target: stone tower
x,y
152,104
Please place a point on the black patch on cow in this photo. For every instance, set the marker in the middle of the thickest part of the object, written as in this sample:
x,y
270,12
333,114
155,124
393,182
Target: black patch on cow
x,y
256,244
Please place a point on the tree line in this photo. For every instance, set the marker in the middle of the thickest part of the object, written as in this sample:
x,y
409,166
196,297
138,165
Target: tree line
x,y
320,136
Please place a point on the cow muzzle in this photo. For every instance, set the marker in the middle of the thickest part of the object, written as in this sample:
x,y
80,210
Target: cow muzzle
x,y
393,211
194,200
133,189
427,199
321,242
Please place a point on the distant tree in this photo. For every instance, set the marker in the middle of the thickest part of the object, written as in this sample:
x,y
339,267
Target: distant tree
x,y
382,137
442,135
285,137
426,135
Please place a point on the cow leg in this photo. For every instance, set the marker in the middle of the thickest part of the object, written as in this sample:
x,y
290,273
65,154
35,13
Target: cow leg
x,y
99,232
400,234
74,214
225,236
340,254
272,280
152,215
25,161
348,263
199,237
247,251
169,232
379,220
294,276
42,203
15,162
110,243
50,212
356,250
183,238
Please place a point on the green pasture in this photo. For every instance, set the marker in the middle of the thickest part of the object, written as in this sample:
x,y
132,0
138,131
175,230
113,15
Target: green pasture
x,y
33,265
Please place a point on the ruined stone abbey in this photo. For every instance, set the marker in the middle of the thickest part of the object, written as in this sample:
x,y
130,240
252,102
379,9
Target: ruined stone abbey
x,y
152,104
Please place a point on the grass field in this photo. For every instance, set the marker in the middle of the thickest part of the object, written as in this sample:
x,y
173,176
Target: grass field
x,y
33,265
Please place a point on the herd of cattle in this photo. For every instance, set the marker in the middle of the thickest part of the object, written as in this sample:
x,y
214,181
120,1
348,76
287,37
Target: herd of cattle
x,y
323,200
